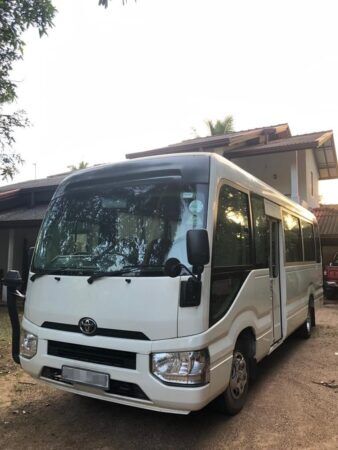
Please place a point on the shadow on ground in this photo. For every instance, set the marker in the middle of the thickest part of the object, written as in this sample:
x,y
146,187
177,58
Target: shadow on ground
x,y
100,424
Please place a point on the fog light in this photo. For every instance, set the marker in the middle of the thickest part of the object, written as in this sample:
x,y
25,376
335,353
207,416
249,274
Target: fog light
x,y
28,345
184,368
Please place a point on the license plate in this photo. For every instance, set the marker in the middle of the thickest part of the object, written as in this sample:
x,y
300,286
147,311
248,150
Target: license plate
x,y
88,377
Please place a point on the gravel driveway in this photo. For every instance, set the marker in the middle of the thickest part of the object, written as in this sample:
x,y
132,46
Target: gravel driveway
x,y
288,407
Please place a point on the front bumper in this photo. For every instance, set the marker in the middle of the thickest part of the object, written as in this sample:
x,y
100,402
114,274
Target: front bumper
x,y
160,397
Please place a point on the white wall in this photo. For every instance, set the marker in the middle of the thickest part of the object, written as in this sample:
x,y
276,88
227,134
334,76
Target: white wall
x,y
274,169
311,166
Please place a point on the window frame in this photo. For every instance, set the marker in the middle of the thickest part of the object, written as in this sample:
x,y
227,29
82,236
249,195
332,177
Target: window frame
x,y
242,267
314,226
253,231
292,263
311,261
318,243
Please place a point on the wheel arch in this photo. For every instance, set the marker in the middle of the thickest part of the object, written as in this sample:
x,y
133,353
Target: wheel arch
x,y
248,336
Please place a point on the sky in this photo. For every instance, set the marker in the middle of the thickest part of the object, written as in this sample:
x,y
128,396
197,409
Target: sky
x,y
105,82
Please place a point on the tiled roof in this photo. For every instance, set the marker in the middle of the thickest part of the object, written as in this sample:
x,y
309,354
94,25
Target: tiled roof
x,y
260,141
33,184
309,140
321,142
209,142
327,217
23,214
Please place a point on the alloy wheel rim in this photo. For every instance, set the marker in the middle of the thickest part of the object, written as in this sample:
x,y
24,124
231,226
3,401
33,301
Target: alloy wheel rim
x,y
239,375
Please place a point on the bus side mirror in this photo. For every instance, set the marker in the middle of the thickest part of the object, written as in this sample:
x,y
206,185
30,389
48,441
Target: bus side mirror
x,y
198,248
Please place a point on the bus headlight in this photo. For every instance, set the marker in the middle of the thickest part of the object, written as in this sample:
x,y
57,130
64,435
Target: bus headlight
x,y
29,345
184,368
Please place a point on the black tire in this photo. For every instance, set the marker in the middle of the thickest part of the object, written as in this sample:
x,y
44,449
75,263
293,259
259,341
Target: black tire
x,y
305,330
329,295
234,397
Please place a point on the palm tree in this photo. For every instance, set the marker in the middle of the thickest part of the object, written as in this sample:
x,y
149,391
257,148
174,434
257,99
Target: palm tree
x,y
221,126
80,166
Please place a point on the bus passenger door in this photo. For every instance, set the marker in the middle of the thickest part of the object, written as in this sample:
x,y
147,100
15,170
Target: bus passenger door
x,y
274,272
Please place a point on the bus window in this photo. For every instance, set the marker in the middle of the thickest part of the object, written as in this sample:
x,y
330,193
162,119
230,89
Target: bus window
x,y
260,226
308,241
317,244
293,238
232,235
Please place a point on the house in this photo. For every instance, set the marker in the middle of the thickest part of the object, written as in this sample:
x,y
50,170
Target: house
x,y
22,208
291,164
327,216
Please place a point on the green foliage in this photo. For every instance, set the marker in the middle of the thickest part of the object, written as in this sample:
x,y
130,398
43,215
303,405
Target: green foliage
x,y
80,166
220,127
16,16
9,160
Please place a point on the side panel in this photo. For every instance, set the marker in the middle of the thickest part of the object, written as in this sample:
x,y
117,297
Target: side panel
x,y
302,281
251,308
252,305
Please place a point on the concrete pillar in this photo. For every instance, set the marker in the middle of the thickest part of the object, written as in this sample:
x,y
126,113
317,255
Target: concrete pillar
x,y
10,257
294,179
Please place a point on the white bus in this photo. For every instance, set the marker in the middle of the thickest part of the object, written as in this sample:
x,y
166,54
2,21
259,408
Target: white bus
x,y
160,282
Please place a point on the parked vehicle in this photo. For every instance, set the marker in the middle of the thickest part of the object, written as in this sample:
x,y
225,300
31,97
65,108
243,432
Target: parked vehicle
x,y
160,282
331,278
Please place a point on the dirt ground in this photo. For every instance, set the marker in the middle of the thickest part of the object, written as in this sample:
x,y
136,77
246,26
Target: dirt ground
x,y
286,408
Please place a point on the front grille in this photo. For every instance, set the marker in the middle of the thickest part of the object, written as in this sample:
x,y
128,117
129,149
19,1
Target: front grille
x,y
116,387
123,334
107,357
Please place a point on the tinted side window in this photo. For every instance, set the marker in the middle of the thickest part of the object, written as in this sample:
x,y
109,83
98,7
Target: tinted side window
x,y
317,244
308,241
293,238
232,235
260,226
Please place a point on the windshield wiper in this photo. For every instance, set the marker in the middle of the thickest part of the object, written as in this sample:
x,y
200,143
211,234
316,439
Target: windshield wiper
x,y
58,271
38,275
125,270
96,276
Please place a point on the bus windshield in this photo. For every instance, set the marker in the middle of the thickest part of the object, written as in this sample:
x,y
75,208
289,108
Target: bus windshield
x,y
106,229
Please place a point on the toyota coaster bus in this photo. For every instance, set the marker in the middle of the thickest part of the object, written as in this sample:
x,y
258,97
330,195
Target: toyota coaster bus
x,y
160,282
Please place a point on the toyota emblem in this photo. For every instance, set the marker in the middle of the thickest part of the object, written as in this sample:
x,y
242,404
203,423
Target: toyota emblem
x,y
88,326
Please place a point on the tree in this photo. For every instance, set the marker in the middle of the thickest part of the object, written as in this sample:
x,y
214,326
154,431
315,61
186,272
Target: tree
x,y
16,16
80,166
220,127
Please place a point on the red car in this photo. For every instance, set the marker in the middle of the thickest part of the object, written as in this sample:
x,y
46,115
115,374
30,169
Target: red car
x,y
331,278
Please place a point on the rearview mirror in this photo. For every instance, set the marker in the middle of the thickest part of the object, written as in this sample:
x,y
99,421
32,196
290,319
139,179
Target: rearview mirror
x,y
198,247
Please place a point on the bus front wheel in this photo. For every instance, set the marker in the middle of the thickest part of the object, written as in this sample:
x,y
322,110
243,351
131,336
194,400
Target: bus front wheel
x,y
233,398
